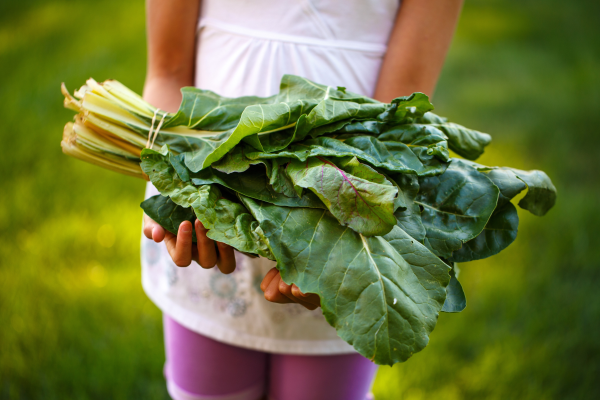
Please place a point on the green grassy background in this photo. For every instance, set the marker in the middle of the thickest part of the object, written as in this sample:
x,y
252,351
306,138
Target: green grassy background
x,y
76,324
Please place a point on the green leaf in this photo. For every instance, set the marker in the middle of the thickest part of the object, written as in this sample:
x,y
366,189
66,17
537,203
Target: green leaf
x,y
206,110
465,142
409,217
279,179
413,106
228,222
456,206
455,295
255,119
541,193
424,152
168,214
356,195
330,111
162,174
499,232
244,118
252,182
236,161
382,294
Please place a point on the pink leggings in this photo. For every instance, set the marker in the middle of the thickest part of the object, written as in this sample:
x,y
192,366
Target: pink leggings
x,y
199,368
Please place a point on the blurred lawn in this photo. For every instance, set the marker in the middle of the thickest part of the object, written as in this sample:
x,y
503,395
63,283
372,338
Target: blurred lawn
x,y
76,324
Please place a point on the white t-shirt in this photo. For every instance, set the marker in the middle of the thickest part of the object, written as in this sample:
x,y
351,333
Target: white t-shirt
x,y
244,48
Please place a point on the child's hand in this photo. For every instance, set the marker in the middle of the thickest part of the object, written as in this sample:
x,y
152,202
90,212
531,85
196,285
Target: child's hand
x,y
277,291
181,247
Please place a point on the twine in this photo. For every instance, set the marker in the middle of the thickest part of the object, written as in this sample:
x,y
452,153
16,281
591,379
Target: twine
x,y
151,144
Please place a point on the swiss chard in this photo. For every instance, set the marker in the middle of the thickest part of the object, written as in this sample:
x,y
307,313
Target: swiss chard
x,y
358,201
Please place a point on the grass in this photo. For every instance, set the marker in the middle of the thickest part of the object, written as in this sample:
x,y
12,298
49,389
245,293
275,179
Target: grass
x,y
76,323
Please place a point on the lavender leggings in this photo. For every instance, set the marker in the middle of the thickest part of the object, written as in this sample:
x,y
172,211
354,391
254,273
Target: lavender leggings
x,y
199,368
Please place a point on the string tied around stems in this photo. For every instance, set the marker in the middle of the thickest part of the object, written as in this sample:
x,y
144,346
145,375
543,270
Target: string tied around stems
x,y
150,144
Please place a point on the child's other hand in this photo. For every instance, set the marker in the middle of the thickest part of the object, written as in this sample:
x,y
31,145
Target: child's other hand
x,y
277,291
181,247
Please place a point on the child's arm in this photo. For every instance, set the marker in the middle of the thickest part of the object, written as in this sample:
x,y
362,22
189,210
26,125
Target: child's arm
x,y
417,47
171,29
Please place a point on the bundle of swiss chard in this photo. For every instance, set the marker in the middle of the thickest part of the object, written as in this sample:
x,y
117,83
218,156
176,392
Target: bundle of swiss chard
x,y
358,201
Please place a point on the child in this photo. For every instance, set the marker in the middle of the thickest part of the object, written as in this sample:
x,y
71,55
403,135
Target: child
x,y
223,339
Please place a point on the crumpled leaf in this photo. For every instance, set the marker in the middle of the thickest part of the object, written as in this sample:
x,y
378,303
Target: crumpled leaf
x,y
252,182
424,153
236,161
356,195
162,174
228,222
279,179
382,294
465,142
456,206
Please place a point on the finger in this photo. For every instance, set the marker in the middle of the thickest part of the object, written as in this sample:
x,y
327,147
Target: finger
x,y
207,254
182,256
170,242
158,233
148,226
311,298
272,293
310,301
296,291
273,272
286,290
152,230
226,259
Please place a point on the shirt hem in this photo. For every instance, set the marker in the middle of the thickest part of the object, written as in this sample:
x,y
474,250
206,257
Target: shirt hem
x,y
217,332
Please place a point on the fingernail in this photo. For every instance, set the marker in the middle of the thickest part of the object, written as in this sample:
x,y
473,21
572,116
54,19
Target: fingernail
x,y
186,228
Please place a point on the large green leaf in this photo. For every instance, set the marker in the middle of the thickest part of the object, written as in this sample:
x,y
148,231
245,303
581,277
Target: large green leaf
x,y
456,206
382,294
255,119
245,118
356,195
205,110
